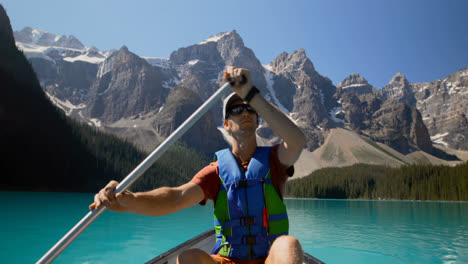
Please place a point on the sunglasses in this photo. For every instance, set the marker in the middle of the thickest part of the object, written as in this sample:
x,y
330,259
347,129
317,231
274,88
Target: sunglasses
x,y
238,109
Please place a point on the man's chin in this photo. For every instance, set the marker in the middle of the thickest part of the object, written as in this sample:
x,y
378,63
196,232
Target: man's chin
x,y
249,128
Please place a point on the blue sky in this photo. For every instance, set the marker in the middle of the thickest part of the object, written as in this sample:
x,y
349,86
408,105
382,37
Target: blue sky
x,y
423,39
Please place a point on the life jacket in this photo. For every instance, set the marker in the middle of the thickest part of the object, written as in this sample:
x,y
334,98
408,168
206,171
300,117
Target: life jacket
x,y
249,214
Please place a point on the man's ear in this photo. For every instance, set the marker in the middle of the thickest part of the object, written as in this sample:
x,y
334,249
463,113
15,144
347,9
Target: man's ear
x,y
226,127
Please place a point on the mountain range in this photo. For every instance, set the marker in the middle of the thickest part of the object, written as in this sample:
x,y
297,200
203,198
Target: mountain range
x,y
44,150
144,99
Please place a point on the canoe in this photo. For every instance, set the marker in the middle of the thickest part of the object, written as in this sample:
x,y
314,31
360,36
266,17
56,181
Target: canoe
x,y
204,241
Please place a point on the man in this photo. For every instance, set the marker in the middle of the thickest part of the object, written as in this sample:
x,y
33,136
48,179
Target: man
x,y
246,184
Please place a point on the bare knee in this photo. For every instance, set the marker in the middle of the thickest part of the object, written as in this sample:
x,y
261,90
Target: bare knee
x,y
194,256
286,249
288,241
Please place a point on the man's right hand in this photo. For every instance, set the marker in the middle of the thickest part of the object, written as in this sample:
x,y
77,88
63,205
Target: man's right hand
x,y
107,197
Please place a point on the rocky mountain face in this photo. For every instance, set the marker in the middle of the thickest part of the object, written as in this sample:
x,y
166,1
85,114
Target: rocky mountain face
x,y
126,85
393,123
200,66
399,89
313,95
112,90
355,84
65,67
65,80
399,126
180,104
132,96
442,104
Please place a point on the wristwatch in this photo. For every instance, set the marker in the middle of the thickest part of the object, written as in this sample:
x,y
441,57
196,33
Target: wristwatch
x,y
253,91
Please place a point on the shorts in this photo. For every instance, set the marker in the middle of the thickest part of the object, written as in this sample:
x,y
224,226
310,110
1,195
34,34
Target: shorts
x,y
223,260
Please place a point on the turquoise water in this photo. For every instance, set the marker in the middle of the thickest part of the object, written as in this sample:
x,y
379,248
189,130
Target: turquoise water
x,y
335,231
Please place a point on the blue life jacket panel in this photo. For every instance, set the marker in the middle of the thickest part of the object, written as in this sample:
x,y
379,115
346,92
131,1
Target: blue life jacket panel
x,y
242,219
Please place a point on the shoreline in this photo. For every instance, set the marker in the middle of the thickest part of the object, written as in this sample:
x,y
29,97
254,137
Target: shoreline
x,y
286,198
373,200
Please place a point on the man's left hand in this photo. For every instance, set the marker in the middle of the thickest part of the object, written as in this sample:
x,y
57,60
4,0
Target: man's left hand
x,y
240,80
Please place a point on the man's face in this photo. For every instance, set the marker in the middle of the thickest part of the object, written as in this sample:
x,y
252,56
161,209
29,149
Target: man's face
x,y
241,118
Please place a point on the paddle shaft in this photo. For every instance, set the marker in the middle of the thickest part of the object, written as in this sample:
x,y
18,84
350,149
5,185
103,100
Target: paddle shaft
x,y
134,175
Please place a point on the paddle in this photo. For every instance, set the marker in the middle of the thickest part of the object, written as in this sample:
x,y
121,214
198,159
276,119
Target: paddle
x,y
133,176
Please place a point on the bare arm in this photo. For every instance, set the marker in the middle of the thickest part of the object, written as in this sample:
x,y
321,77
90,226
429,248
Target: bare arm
x,y
293,138
161,201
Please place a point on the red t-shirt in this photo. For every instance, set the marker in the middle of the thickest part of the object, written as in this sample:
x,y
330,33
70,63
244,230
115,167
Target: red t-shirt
x,y
208,177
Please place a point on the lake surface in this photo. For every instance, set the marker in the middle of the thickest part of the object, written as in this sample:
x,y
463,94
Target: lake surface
x,y
335,231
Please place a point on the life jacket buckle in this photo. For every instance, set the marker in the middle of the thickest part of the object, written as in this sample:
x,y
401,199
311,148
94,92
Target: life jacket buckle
x,y
249,240
246,221
241,184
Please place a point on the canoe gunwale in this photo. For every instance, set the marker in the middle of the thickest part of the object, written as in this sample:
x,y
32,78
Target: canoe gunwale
x,y
187,244
169,256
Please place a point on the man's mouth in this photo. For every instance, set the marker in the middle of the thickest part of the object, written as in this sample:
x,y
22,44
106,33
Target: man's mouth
x,y
246,121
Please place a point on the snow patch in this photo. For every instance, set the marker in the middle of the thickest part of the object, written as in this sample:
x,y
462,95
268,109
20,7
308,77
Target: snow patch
x,y
353,85
66,106
335,111
193,62
171,83
215,38
269,79
37,51
452,88
463,74
439,139
96,122
33,51
85,58
36,35
158,62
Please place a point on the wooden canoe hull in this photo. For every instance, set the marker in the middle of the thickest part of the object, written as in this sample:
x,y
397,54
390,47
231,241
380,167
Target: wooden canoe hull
x,y
205,242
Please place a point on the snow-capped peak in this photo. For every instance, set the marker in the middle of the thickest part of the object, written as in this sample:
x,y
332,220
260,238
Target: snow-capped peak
x,y
215,38
37,34
44,38
41,44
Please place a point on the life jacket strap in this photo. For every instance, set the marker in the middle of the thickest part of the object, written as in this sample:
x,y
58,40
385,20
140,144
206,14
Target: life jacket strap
x,y
252,220
277,217
249,240
243,221
244,183
245,240
219,245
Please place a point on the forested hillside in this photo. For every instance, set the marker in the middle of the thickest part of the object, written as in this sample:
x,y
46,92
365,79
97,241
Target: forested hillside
x,y
43,150
409,182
